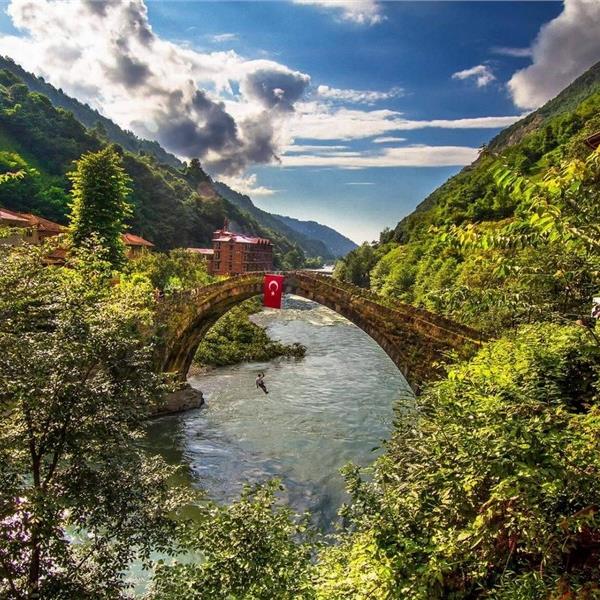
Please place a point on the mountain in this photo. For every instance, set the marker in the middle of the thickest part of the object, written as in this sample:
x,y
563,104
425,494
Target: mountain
x,y
172,207
106,129
89,117
312,243
337,244
530,145
467,250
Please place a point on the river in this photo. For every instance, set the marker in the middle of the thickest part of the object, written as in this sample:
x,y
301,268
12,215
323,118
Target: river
x,y
329,408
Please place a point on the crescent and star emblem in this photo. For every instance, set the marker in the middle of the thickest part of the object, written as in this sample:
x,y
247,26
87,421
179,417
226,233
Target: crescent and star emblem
x,y
273,287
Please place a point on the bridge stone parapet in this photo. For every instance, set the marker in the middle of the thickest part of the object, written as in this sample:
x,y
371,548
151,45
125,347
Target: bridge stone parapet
x,y
417,340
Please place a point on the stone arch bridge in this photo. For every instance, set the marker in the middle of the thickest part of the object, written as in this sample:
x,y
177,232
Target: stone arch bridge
x,y
417,340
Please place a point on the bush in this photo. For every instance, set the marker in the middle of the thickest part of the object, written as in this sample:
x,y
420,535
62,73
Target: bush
x,y
494,487
235,338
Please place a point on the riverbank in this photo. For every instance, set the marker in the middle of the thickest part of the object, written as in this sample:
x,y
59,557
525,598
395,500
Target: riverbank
x,y
181,400
235,338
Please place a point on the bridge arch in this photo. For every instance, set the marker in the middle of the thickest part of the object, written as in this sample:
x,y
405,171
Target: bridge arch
x,y
416,340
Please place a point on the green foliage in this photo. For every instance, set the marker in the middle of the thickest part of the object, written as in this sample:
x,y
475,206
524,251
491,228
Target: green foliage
x,y
235,338
356,266
493,489
76,383
173,271
100,207
253,549
294,259
525,216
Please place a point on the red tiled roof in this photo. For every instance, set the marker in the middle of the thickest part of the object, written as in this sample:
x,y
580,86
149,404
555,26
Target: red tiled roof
x,y
24,219
43,224
204,251
131,239
12,217
227,236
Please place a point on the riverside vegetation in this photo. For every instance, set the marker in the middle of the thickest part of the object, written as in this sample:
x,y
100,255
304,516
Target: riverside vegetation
x,y
489,487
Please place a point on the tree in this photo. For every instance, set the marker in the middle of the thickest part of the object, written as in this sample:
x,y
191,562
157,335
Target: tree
x,y
173,271
100,207
252,549
294,259
79,499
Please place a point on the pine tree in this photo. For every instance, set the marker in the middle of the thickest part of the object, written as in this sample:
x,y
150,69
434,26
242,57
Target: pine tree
x,y
100,207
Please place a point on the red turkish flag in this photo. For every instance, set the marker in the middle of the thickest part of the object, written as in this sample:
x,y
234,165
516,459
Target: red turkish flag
x,y
272,290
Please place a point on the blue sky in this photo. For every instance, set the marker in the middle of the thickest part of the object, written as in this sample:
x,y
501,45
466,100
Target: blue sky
x,y
346,112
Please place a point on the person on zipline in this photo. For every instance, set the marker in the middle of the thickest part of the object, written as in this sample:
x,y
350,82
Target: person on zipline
x,y
260,383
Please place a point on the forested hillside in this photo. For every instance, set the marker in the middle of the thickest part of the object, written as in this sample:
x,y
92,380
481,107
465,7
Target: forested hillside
x,y
458,254
172,207
88,116
105,129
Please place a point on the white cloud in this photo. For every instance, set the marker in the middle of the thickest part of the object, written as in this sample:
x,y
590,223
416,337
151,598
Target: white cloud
x,y
297,148
317,121
106,54
362,12
515,52
220,38
388,140
481,73
358,96
229,111
563,49
248,185
407,156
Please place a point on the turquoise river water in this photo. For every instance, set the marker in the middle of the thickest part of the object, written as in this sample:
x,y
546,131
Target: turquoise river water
x,y
332,407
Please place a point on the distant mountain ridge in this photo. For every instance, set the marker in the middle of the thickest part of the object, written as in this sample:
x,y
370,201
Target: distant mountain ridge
x,y
339,245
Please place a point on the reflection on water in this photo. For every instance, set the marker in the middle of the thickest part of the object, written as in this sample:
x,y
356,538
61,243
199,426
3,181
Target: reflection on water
x,y
322,411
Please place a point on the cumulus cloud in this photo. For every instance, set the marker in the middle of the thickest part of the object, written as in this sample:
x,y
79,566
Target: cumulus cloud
x,y
406,156
357,96
229,111
563,49
217,106
275,87
362,12
482,75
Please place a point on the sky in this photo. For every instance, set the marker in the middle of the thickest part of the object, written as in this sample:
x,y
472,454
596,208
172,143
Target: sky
x,y
348,112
